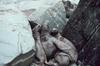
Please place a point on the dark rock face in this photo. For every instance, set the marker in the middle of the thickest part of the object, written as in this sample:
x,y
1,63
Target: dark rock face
x,y
83,29
69,7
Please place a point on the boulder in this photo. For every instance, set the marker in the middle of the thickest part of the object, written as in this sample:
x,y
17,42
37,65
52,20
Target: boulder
x,y
45,11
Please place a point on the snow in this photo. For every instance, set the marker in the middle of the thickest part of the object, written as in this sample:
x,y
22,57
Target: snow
x,y
15,35
38,7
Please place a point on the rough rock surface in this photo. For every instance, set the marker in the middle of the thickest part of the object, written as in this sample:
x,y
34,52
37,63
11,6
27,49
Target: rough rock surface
x,y
83,29
69,7
45,11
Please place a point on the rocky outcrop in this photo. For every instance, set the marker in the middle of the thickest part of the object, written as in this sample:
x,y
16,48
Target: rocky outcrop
x,y
45,11
69,7
83,29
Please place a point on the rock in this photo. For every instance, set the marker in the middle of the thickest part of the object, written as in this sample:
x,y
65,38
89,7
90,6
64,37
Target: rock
x,y
69,7
45,11
83,29
73,1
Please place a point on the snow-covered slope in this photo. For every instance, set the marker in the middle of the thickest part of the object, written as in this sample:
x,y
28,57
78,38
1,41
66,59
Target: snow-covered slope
x,y
15,34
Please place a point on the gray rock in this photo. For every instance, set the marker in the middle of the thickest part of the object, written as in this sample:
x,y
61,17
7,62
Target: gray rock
x,y
83,29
